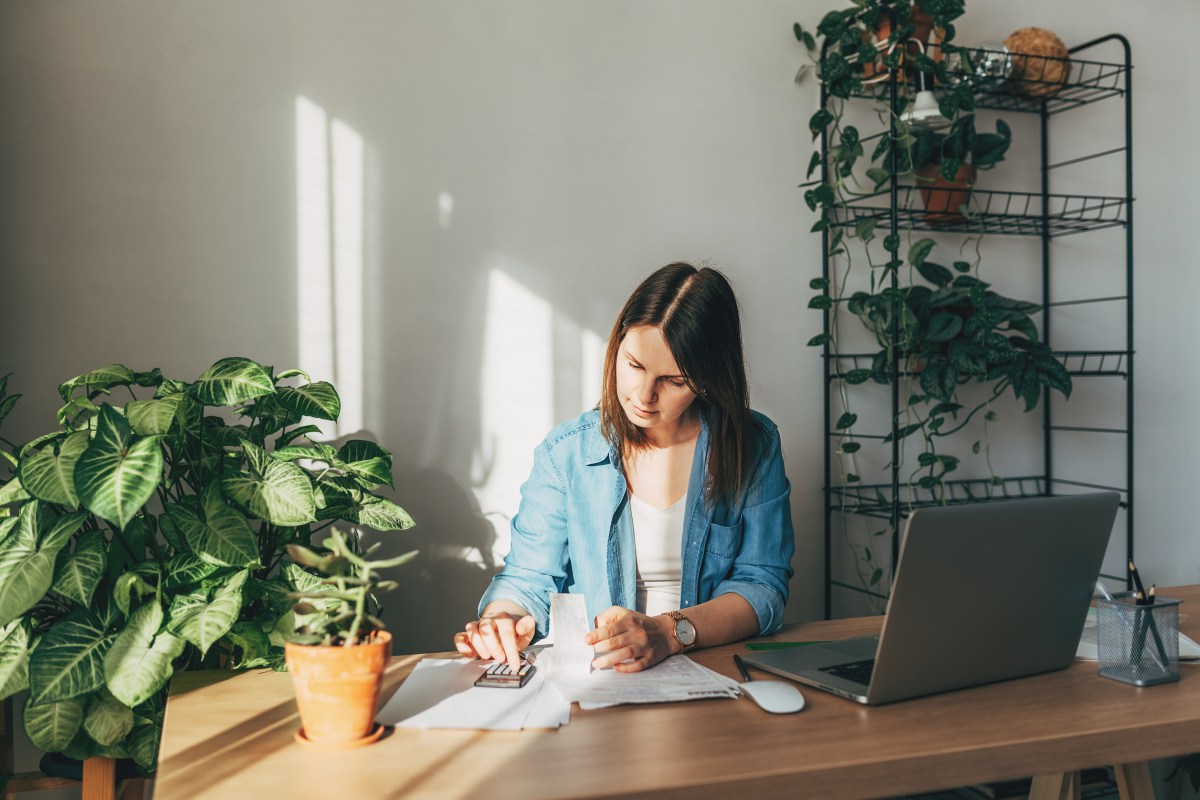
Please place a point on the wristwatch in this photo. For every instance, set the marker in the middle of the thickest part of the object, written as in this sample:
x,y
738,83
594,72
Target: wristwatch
x,y
684,631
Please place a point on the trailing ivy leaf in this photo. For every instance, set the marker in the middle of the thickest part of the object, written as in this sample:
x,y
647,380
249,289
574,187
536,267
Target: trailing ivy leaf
x,y
318,400
820,339
283,495
77,574
962,266
938,380
153,417
926,459
203,623
857,376
107,719
101,379
820,302
919,250
813,163
116,475
14,658
52,726
846,420
819,120
50,475
928,482
943,327
222,537
231,381
69,661
864,229
876,576
936,274
139,662
850,447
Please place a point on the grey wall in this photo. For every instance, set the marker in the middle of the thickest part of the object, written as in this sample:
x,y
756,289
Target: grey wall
x,y
487,182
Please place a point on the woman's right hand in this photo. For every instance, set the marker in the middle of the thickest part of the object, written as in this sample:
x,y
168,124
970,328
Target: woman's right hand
x,y
500,636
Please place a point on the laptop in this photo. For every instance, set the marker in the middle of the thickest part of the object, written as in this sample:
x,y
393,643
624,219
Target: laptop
x,y
983,592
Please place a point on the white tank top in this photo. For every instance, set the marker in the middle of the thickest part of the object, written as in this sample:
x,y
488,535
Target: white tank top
x,y
658,533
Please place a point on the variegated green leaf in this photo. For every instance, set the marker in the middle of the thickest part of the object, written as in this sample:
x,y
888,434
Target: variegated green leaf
x,y
223,537
185,570
77,574
367,461
256,457
383,515
124,589
116,475
69,661
50,476
203,623
26,572
139,662
319,400
103,379
143,742
282,496
253,642
14,659
13,492
153,417
231,381
52,726
59,531
7,526
107,719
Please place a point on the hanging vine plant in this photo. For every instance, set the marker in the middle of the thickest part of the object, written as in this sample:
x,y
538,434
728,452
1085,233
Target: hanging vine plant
x,y
938,328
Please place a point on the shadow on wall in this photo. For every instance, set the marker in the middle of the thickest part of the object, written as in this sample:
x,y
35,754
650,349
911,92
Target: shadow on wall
x,y
439,589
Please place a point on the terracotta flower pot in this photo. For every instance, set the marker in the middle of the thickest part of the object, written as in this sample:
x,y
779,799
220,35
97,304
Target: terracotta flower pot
x,y
941,197
337,688
925,33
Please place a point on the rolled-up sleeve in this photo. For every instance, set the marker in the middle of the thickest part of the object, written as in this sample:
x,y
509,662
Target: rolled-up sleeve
x,y
763,565
537,561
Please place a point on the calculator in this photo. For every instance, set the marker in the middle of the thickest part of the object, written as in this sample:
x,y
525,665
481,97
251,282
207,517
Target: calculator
x,y
500,676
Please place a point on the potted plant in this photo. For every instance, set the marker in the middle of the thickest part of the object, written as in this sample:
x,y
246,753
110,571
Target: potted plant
x,y
946,164
339,649
148,535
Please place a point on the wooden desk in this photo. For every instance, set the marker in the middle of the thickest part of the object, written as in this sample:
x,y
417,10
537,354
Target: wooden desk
x,y
234,739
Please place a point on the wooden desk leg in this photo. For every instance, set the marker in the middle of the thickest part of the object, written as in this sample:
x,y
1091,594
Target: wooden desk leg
x,y
1063,786
99,778
1133,781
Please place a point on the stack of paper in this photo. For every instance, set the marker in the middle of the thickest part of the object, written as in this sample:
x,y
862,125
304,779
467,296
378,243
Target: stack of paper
x,y
441,693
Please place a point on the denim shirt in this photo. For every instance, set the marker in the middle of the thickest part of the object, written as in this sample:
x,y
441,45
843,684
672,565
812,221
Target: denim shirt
x,y
573,531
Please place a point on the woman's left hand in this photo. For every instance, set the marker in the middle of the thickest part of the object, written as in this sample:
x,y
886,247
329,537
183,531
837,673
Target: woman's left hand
x,y
629,641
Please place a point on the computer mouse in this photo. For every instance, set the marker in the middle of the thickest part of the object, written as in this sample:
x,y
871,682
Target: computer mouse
x,y
774,696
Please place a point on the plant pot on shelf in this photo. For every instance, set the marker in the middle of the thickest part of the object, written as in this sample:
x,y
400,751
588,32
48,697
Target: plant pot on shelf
x,y
925,33
942,198
337,690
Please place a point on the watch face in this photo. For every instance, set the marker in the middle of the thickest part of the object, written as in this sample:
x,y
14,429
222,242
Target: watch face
x,y
685,632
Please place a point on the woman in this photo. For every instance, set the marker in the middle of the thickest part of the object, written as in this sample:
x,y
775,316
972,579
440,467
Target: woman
x,y
666,507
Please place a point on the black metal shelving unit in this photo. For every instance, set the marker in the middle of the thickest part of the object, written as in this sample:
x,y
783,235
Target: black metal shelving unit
x,y
1042,214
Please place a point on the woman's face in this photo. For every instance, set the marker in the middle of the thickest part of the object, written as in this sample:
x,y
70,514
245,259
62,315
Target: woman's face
x,y
650,385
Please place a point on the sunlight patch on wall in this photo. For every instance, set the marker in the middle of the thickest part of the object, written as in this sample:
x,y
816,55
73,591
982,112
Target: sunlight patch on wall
x,y
445,209
329,258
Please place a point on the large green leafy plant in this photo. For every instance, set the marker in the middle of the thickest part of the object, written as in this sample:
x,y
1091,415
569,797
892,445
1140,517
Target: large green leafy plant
x,y
147,536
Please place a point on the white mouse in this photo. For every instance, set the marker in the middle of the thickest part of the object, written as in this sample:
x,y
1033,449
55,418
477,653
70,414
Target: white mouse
x,y
774,696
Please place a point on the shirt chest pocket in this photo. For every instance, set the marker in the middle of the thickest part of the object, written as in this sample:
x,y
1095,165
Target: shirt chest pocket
x,y
724,540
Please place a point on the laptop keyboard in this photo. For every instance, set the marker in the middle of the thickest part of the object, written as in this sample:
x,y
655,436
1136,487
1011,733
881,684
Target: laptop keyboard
x,y
858,671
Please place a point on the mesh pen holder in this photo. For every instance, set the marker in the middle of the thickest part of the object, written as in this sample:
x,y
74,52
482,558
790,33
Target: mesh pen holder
x,y
1138,644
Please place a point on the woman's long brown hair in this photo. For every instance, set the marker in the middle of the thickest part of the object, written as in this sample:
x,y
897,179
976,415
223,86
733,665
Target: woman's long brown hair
x,y
697,313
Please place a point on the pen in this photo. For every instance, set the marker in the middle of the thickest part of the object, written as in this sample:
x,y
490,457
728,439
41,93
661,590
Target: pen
x,y
741,665
1137,582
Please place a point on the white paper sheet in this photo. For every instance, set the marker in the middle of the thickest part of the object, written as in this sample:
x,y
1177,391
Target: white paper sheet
x,y
440,693
571,655
672,680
